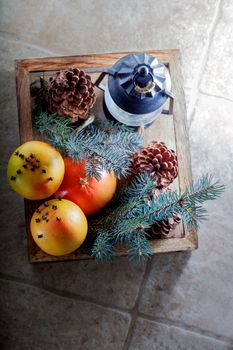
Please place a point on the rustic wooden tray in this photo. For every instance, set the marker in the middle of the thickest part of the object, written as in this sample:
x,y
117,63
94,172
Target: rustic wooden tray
x,y
170,128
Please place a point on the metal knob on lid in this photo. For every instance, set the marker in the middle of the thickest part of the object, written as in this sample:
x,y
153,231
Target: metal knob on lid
x,y
138,86
143,82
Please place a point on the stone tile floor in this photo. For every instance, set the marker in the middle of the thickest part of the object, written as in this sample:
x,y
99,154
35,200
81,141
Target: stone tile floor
x,y
176,301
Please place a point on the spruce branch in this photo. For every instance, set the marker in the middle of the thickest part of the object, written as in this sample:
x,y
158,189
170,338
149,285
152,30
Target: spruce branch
x,y
55,128
109,147
137,211
206,188
103,249
139,247
163,206
124,232
142,186
102,144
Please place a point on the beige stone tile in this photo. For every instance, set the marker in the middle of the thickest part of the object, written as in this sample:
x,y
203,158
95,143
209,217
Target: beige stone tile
x,y
72,27
11,50
34,319
196,292
211,140
9,120
218,73
156,336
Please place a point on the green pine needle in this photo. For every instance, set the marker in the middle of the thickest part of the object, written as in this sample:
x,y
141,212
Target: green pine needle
x,y
103,145
137,211
54,128
141,186
206,188
103,249
139,248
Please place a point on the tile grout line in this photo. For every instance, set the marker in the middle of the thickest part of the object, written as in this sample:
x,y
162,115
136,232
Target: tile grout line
x,y
197,81
25,43
185,327
216,96
64,294
134,310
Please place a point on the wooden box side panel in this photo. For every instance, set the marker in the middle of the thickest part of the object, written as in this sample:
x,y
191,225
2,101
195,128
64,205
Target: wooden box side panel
x,y
182,140
86,61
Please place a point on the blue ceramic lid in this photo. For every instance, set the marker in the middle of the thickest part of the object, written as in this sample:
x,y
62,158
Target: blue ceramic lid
x,y
139,84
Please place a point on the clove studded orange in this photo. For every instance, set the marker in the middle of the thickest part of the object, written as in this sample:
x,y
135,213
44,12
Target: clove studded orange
x,y
35,170
58,227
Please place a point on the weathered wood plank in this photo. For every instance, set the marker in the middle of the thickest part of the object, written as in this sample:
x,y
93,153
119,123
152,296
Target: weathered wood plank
x,y
85,61
181,136
24,104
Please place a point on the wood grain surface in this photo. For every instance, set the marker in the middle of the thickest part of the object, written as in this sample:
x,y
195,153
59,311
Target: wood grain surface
x,y
170,129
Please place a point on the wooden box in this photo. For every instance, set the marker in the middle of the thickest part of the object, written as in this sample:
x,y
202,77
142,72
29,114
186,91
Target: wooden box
x,y
170,128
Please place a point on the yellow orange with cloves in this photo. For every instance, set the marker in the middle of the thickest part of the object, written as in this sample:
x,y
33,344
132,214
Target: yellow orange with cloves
x,y
59,227
35,170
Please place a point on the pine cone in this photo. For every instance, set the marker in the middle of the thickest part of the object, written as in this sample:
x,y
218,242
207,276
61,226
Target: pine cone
x,y
164,228
70,93
158,161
